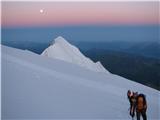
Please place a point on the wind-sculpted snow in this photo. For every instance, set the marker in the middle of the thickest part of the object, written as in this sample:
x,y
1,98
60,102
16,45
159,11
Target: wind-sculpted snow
x,y
36,87
61,49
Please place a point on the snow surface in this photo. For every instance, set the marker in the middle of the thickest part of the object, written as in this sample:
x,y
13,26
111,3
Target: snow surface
x,y
61,49
36,87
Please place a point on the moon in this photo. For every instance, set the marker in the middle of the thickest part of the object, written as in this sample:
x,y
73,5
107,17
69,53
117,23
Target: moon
x,y
41,11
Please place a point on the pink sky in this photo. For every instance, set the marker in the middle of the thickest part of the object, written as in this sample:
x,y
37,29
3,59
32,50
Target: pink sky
x,y
78,13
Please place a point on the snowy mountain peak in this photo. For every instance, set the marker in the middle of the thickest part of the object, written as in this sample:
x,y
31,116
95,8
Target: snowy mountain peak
x,y
60,40
63,50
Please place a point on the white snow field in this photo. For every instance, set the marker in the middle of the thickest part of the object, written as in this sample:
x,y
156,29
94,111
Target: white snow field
x,y
38,87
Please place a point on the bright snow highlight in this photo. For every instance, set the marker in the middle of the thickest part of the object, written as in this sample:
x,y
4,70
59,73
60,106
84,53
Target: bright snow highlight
x,y
61,49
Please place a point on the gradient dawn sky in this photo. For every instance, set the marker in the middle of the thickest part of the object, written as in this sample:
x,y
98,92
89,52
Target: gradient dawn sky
x,y
78,13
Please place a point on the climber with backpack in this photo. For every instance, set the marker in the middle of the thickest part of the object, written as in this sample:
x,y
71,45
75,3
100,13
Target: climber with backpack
x,y
132,100
141,107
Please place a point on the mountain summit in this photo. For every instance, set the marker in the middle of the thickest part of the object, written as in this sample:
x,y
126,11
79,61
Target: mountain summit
x,y
63,50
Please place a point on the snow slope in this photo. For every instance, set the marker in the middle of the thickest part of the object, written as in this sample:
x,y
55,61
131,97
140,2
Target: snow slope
x,y
36,87
63,50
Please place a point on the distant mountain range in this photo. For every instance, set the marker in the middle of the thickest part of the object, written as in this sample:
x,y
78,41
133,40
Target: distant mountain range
x,y
147,49
135,67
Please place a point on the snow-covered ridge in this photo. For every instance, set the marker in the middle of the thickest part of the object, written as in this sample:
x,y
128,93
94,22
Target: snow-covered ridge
x,y
36,87
63,50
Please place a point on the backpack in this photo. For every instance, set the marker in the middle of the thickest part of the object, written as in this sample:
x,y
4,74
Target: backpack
x,y
141,102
